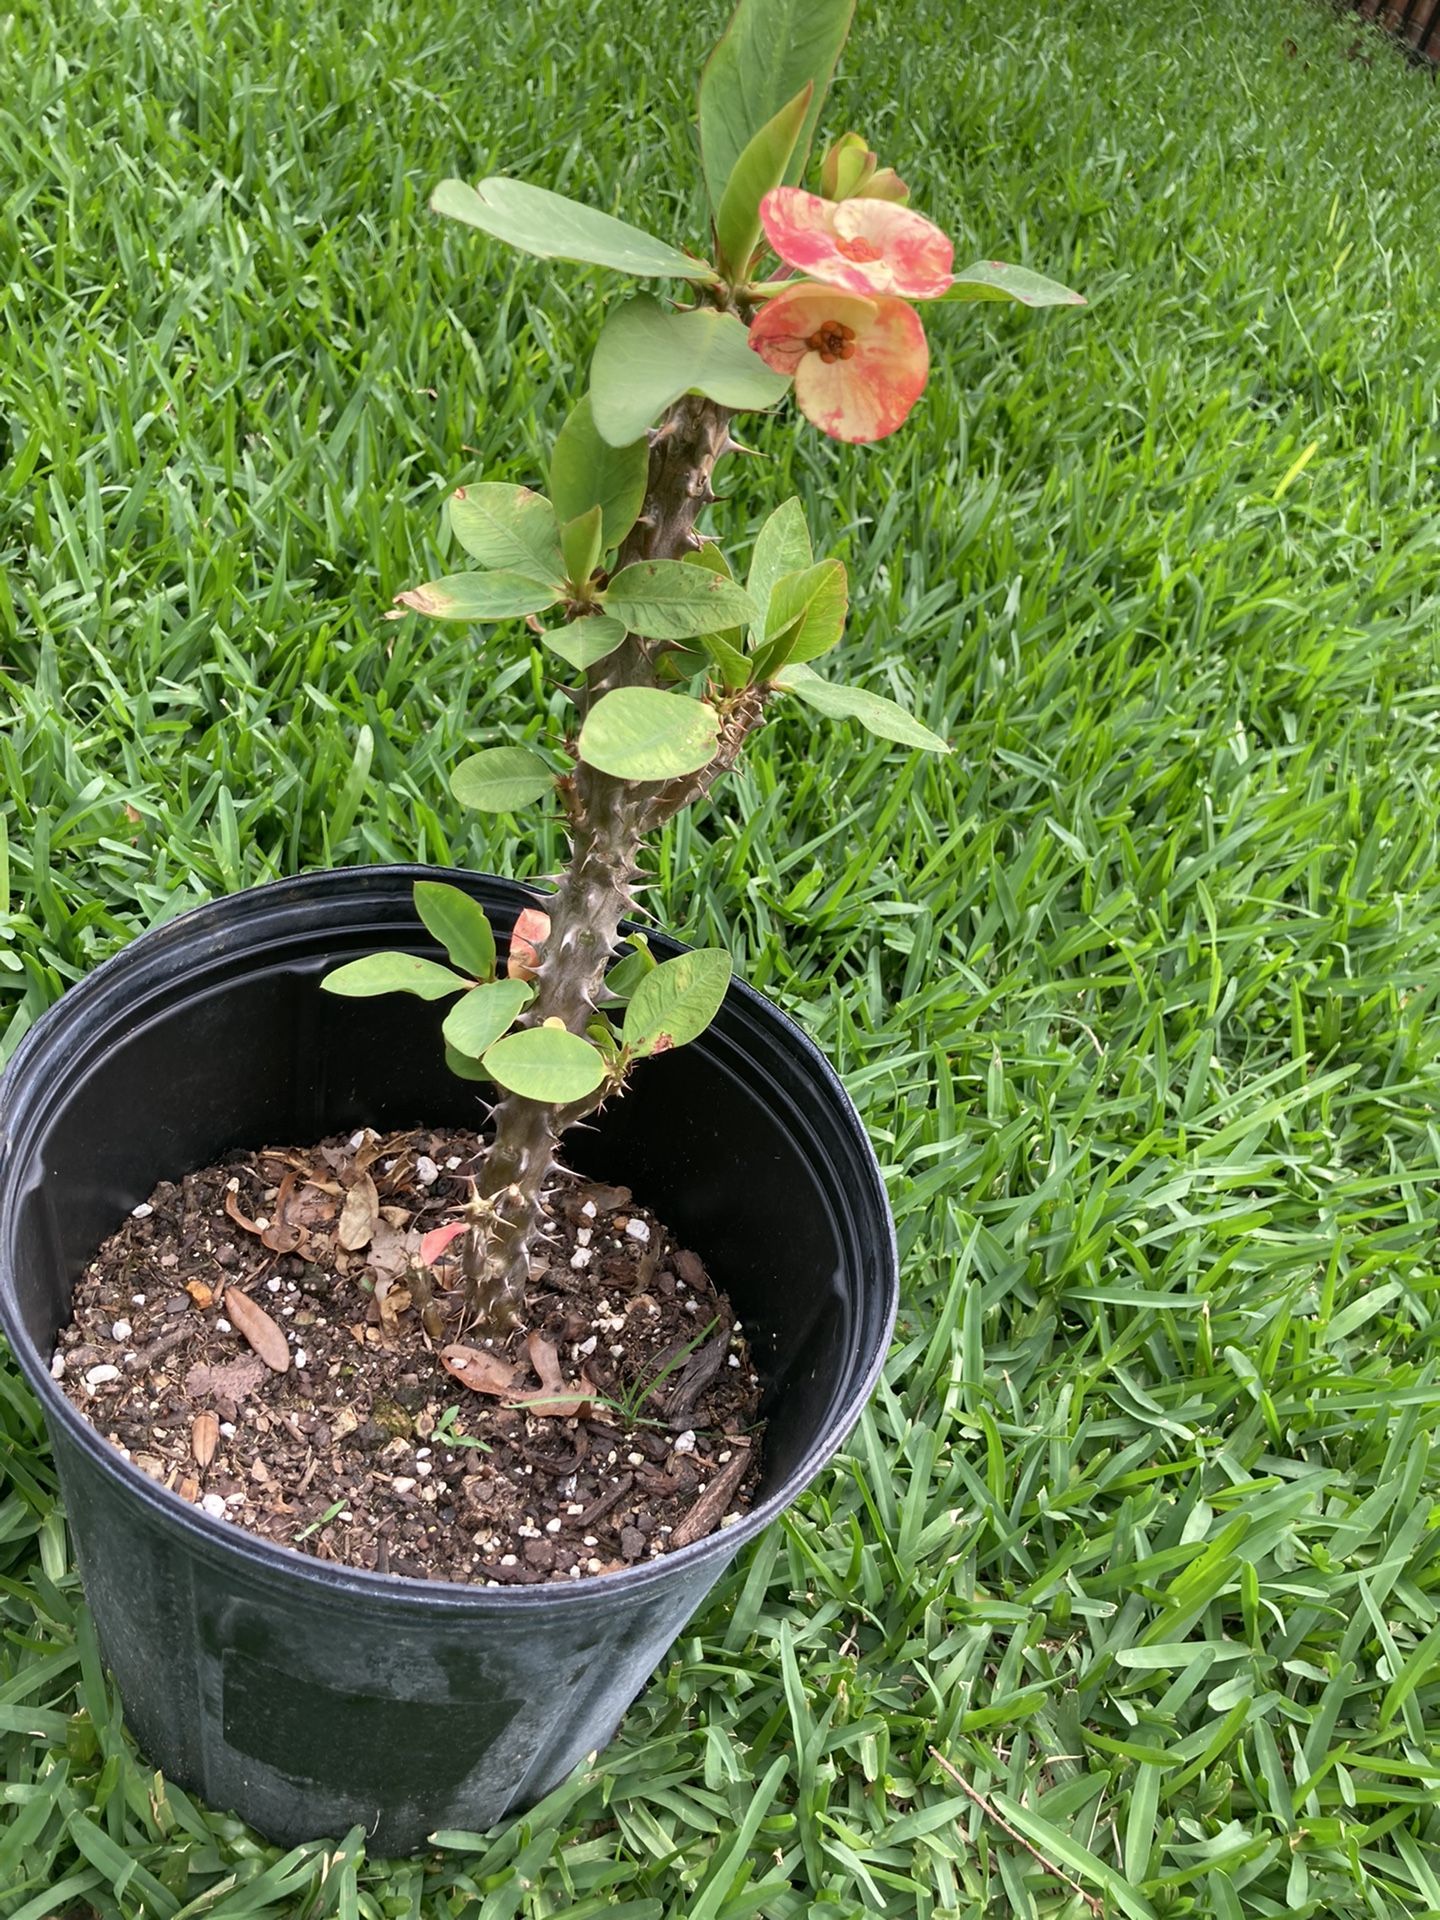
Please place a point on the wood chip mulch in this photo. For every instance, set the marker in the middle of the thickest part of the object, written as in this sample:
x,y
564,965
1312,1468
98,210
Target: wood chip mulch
x,y
248,1338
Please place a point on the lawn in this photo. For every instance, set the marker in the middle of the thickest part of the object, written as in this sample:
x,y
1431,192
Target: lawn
x,y
1125,1597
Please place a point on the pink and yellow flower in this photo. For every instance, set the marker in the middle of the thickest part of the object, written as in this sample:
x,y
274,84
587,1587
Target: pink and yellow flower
x,y
860,363
865,246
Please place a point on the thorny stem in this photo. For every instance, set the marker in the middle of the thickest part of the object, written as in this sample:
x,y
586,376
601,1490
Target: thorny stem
x,y
608,821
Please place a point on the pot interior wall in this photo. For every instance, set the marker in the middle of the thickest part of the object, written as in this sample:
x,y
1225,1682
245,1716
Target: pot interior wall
x,y
267,1059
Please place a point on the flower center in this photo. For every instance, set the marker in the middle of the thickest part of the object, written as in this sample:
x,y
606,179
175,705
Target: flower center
x,y
859,249
832,340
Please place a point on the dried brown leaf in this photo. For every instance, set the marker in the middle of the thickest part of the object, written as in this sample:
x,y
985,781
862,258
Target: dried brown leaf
x,y
234,1380
204,1437
546,1362
283,1235
359,1214
482,1372
259,1329
236,1213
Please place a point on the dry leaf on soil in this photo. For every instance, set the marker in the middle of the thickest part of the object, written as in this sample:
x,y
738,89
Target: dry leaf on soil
x,y
234,1380
358,1217
283,1235
486,1372
204,1437
236,1213
259,1329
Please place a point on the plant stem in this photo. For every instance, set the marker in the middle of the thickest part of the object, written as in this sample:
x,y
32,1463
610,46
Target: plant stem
x,y
608,819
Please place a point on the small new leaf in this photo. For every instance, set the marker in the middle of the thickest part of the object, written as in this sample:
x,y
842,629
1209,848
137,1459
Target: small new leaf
x,y
581,539
393,973
460,925
501,779
549,1064
783,546
760,167
805,617
640,733
676,1001
585,641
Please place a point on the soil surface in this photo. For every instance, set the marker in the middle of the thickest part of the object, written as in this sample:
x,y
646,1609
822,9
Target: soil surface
x,y
251,1338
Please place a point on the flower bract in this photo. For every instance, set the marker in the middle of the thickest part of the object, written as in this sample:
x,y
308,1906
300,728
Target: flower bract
x,y
864,246
860,363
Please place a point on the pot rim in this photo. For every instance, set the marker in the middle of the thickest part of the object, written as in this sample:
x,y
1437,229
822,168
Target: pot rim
x,y
224,1541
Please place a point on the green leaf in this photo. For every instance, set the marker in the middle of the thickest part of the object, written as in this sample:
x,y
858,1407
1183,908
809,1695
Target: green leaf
x,y
731,664
677,1001
623,978
769,51
581,540
462,1068
585,641
875,713
711,558
393,973
460,925
479,596
994,280
555,228
509,527
760,167
640,733
782,546
667,600
549,1064
586,471
806,617
501,779
477,1021
647,357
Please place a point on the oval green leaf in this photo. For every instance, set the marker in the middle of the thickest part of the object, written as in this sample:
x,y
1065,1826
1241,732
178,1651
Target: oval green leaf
x,y
549,1064
996,280
806,615
585,641
477,1021
668,600
586,471
769,51
582,540
648,356
677,1001
462,1068
509,528
640,733
782,546
393,973
479,596
553,227
459,924
882,717
759,168
501,779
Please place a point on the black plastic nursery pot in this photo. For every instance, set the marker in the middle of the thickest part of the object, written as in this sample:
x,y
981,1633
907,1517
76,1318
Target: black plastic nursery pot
x,y
310,1697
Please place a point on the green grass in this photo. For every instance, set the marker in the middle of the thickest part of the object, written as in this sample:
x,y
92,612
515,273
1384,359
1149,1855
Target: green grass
x,y
1137,992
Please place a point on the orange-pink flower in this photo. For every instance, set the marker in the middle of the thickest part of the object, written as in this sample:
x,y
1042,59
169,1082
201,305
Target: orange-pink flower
x,y
860,363
865,246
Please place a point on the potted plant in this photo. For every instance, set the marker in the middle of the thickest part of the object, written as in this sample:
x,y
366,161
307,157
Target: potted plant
x,y
308,1694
